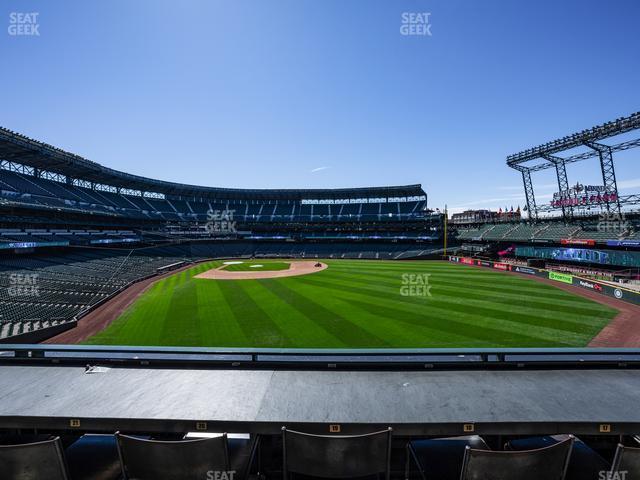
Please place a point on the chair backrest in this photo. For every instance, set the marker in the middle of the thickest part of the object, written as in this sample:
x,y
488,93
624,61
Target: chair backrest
x,y
333,456
548,463
626,459
186,459
33,461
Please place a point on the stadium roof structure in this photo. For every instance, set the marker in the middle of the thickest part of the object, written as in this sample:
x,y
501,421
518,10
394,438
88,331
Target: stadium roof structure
x,y
590,138
23,150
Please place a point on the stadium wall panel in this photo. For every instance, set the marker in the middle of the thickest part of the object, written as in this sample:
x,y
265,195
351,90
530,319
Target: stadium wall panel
x,y
40,335
587,284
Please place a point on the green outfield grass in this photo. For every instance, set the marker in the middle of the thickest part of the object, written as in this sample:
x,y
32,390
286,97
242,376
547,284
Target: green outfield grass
x,y
359,304
257,266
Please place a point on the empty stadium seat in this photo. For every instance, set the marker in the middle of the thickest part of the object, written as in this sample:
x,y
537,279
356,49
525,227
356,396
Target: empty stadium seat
x,y
336,456
584,463
627,461
549,463
176,460
33,461
440,458
93,457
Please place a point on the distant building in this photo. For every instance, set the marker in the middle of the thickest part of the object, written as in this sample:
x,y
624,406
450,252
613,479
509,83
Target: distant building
x,y
485,216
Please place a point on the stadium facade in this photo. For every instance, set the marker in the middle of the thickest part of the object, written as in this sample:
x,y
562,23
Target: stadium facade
x,y
588,230
45,186
73,232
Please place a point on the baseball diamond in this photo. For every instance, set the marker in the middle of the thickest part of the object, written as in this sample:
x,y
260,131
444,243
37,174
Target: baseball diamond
x,y
358,303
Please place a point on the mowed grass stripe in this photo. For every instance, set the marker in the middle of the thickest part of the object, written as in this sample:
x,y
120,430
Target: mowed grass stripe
x,y
155,308
468,322
301,329
393,331
333,322
476,335
129,330
418,332
182,320
258,327
509,315
357,304
218,320
506,284
585,310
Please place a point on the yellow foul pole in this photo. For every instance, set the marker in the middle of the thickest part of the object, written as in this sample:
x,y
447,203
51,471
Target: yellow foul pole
x,y
445,230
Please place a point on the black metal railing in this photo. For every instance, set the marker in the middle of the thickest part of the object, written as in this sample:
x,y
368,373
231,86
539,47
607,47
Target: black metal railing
x,y
277,358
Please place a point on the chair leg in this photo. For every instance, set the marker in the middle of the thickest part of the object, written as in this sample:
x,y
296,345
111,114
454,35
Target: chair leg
x,y
255,445
407,465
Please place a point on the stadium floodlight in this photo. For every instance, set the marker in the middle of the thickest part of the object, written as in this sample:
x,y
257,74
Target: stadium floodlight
x,y
590,138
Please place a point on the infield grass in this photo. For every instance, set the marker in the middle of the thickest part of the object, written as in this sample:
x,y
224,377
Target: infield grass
x,y
257,266
359,303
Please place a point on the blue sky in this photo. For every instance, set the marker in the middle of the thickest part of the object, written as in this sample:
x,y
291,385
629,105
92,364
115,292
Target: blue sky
x,y
323,93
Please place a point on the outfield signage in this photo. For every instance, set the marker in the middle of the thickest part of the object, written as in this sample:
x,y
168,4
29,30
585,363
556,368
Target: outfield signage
x,y
578,241
114,240
527,270
502,266
18,245
590,285
623,243
602,288
583,195
561,277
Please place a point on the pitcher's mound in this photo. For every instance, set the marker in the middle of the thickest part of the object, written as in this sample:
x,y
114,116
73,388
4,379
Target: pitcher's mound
x,y
302,267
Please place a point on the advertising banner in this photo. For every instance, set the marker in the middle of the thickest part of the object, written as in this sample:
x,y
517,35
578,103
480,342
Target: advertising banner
x,y
18,245
590,285
502,266
623,243
561,277
600,287
527,270
578,241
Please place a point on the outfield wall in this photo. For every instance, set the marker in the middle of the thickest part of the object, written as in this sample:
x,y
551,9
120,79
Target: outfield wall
x,y
600,287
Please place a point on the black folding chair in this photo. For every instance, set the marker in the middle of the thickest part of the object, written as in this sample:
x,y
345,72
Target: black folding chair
x,y
336,456
626,459
548,463
585,462
33,461
440,458
177,460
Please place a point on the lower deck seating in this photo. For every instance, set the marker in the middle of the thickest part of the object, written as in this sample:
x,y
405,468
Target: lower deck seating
x,y
46,290
39,291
